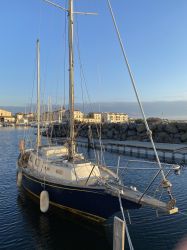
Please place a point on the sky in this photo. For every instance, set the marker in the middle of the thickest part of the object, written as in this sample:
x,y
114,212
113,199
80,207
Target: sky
x,y
154,36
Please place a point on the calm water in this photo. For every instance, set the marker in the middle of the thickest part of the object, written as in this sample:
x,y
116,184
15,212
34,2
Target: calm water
x,y
22,226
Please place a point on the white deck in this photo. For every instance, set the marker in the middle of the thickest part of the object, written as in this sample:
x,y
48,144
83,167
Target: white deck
x,y
53,162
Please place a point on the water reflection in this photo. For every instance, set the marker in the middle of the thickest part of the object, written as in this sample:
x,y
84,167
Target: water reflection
x,y
22,226
59,229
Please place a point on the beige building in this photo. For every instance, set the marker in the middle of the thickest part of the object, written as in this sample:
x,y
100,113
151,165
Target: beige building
x,y
93,118
78,115
4,113
21,119
19,116
88,120
110,117
6,116
9,119
30,116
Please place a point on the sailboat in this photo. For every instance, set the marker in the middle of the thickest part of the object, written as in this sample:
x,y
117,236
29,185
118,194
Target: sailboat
x,y
61,177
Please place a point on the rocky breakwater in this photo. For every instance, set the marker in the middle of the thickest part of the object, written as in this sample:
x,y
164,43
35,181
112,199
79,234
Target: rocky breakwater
x,y
163,131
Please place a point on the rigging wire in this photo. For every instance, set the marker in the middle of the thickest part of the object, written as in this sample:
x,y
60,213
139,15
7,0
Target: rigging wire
x,y
149,132
65,53
80,63
63,101
49,135
64,38
83,80
28,135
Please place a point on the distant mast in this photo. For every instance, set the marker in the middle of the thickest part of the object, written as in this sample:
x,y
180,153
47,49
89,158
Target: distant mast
x,y
71,151
38,94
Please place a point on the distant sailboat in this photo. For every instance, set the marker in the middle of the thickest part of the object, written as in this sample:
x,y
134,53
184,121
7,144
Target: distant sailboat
x,y
59,176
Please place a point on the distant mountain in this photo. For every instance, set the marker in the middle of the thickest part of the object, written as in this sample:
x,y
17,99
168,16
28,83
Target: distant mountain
x,y
162,109
13,109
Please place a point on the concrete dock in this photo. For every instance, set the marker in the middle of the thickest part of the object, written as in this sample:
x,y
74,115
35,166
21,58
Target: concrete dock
x,y
170,153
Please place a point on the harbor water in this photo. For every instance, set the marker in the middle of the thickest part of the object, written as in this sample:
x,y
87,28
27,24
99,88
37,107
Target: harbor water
x,y
23,226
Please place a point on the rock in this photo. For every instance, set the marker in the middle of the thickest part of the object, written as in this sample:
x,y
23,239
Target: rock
x,y
177,136
146,140
131,132
154,120
109,134
115,137
184,137
109,126
139,121
160,127
124,127
163,137
123,137
171,128
140,128
152,127
133,138
175,132
182,126
143,136
132,125
176,140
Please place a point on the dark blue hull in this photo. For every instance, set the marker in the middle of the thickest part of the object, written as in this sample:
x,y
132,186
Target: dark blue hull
x,y
90,202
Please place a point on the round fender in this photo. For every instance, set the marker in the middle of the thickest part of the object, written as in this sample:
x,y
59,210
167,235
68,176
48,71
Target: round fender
x,y
19,179
44,201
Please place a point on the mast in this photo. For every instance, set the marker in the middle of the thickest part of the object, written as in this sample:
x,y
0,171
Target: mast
x,y
70,10
71,83
38,93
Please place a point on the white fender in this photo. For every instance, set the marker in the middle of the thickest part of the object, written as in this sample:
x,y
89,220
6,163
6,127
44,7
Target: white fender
x,y
44,201
19,179
22,146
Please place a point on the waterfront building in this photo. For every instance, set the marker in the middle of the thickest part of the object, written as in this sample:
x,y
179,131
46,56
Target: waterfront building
x,y
21,119
4,113
30,116
19,116
92,118
78,115
109,117
9,119
88,120
95,116
6,116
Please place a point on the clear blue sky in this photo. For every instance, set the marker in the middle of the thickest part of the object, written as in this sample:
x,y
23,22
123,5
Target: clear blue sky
x,y
154,34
